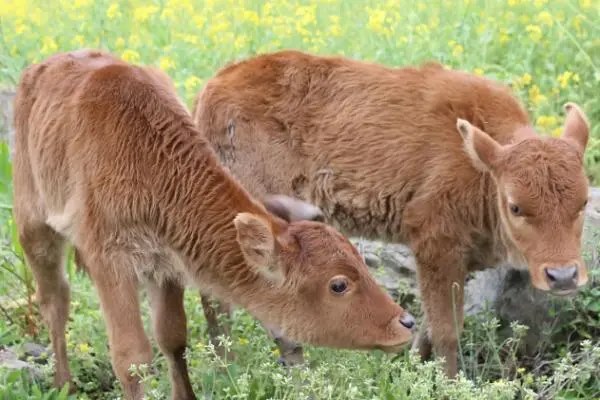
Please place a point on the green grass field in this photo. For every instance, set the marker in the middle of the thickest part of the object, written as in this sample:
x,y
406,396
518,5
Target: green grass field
x,y
548,51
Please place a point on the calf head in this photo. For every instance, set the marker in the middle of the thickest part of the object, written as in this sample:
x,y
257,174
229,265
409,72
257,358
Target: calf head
x,y
542,191
320,290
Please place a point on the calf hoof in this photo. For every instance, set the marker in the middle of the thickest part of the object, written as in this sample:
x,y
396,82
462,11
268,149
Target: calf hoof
x,y
292,358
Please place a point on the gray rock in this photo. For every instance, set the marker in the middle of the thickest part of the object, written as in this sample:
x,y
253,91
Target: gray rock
x,y
9,360
35,351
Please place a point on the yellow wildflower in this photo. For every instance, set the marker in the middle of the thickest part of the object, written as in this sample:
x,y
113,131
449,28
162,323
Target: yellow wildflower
x,y
20,27
547,122
513,3
131,56
540,3
251,16
49,45
478,71
199,21
167,14
120,43
545,18
243,341
535,32
556,132
143,14
83,348
422,29
78,40
535,96
113,11
192,83
585,3
564,78
165,63
377,21
522,81
134,40
240,42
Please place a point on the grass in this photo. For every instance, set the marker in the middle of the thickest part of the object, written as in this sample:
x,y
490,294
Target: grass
x,y
548,51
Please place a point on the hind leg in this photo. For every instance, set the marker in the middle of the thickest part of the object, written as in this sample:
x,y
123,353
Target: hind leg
x,y
212,309
44,253
170,331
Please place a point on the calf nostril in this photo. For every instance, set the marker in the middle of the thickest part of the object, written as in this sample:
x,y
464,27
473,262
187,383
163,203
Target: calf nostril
x,y
408,321
561,275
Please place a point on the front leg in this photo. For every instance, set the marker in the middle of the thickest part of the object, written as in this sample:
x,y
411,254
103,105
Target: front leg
x,y
442,293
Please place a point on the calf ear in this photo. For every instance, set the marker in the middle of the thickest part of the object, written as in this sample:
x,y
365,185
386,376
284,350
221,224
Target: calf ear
x,y
576,129
257,241
481,148
291,209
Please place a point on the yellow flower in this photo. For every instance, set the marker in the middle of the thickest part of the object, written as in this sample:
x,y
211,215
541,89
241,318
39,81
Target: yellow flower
x,y
522,81
535,32
113,11
20,27
243,341
192,83
478,71
422,29
513,3
78,40
165,63
168,14
120,43
131,56
377,21
547,121
142,14
585,3
535,96
556,132
504,36
457,50
335,28
240,42
49,45
251,16
564,78
545,18
540,3
199,21
83,348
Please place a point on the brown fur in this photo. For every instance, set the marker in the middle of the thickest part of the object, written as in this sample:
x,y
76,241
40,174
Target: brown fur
x,y
380,152
107,158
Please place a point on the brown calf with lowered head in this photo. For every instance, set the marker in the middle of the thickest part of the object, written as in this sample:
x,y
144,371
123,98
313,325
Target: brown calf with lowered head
x,y
444,161
108,159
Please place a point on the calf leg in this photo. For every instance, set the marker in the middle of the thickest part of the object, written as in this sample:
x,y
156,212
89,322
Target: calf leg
x,y
291,353
44,253
129,345
422,341
212,309
170,331
442,296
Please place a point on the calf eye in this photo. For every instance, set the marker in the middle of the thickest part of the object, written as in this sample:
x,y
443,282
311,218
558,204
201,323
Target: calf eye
x,y
515,209
338,285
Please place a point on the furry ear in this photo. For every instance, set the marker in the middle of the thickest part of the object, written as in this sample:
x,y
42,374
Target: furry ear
x,y
481,148
576,129
291,209
258,243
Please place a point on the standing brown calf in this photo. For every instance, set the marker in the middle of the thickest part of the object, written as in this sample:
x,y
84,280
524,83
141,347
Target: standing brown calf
x,y
108,159
444,161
